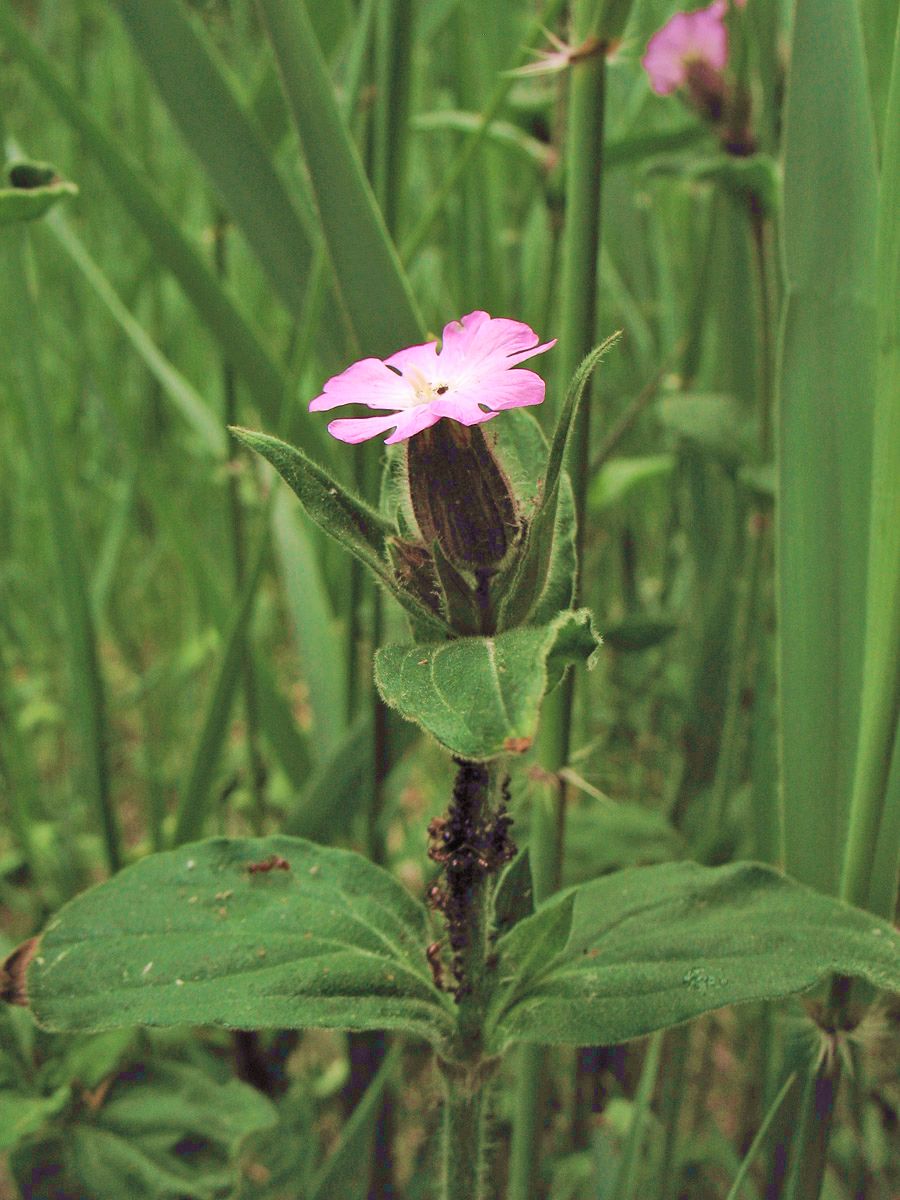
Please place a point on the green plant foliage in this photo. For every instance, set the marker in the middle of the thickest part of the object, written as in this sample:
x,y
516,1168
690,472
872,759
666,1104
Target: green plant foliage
x,y
350,521
366,265
33,189
481,697
716,424
538,568
624,478
24,1106
826,388
656,946
164,1131
194,936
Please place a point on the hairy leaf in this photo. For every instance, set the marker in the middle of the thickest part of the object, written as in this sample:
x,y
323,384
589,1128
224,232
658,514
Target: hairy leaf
x,y
656,946
246,933
481,697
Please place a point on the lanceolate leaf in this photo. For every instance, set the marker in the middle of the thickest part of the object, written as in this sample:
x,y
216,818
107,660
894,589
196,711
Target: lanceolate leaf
x,y
535,569
655,946
826,386
218,128
481,697
351,522
252,933
370,279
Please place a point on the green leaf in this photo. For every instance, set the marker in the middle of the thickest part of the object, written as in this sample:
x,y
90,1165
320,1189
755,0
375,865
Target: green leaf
x,y
135,1145
621,478
481,697
824,429
535,943
755,177
872,851
537,568
185,398
639,631
717,425
339,1178
193,936
238,339
312,620
656,946
350,521
197,790
370,278
20,318
34,188
218,128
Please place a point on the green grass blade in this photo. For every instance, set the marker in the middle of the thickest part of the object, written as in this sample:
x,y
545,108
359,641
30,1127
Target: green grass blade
x,y
218,128
734,1192
309,606
824,429
240,342
339,1176
370,280
880,708
186,399
197,791
21,321
627,1175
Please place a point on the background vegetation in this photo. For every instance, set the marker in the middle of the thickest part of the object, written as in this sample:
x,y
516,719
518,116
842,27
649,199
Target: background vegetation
x,y
182,653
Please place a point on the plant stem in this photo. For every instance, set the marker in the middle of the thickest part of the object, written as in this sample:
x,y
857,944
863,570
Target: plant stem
x,y
472,843
464,1123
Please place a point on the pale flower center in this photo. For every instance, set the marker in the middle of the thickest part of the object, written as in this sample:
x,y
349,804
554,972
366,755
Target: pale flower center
x,y
425,391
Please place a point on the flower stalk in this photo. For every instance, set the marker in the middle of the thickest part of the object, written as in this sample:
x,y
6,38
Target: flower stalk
x,y
472,843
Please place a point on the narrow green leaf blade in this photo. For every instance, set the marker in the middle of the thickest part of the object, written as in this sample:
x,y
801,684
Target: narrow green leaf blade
x,y
136,1136
481,697
185,398
195,796
873,843
216,125
239,340
653,947
538,568
370,278
824,428
193,936
19,316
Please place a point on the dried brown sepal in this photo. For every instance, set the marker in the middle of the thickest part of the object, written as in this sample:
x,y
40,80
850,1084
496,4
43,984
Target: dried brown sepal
x,y
13,987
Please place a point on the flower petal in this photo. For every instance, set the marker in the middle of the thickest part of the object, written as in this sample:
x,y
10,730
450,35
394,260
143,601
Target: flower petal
x,y
423,358
413,422
360,429
461,408
503,389
699,35
478,343
367,382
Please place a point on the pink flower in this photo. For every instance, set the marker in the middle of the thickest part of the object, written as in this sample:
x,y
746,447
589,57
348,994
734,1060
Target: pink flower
x,y
688,41
470,379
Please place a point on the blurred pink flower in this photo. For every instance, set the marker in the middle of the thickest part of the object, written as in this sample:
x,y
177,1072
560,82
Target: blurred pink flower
x,y
470,379
686,42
